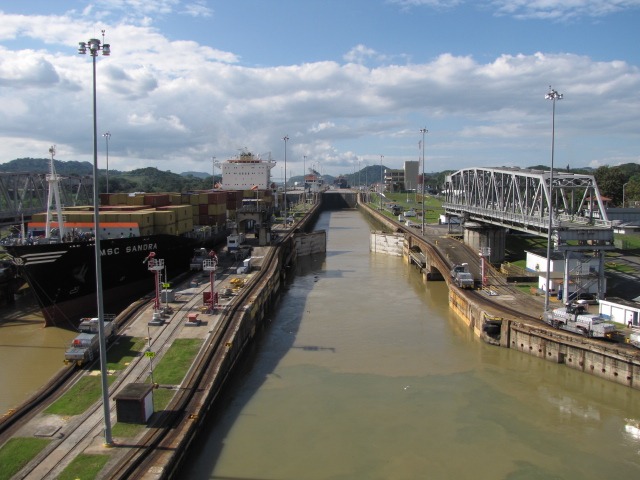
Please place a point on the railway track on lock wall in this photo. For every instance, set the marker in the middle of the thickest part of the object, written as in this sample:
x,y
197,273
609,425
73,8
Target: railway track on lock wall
x,y
456,253
82,431
50,392
168,438
48,464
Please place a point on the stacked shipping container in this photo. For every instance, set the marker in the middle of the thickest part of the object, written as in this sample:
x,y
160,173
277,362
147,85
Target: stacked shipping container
x,y
168,213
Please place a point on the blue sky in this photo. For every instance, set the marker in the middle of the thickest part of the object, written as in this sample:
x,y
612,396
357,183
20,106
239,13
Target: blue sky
x,y
346,80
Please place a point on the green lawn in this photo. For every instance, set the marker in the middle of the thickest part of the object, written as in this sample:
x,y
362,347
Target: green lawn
x,y
79,397
84,466
123,351
527,288
619,267
177,361
161,398
432,205
126,430
17,452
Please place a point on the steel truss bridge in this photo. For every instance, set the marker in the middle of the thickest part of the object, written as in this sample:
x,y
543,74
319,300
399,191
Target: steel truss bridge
x,y
23,194
521,199
525,200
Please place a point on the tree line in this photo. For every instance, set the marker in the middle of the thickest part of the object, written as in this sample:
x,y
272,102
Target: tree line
x,y
617,183
148,179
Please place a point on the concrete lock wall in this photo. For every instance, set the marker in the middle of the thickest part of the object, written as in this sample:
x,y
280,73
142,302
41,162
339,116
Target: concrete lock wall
x,y
310,243
471,314
577,353
586,355
388,243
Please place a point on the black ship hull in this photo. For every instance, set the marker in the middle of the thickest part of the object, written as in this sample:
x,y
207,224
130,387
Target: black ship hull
x,y
63,275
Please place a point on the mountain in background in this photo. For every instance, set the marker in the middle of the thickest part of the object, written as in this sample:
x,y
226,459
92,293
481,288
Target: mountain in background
x,y
618,183
148,179
196,174
41,165
67,168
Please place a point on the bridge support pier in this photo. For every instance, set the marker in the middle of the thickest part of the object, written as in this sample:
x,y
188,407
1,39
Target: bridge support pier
x,y
478,235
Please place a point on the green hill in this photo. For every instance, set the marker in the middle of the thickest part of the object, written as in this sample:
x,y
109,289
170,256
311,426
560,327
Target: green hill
x,y
148,179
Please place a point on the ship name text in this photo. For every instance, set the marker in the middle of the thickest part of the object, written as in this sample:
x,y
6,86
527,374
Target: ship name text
x,y
146,247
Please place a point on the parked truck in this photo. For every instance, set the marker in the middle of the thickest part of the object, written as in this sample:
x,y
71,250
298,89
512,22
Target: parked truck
x,y
86,345
461,276
574,318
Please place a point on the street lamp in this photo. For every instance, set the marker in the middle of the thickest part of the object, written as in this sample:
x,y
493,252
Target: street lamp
x,y
94,45
553,96
286,139
213,172
366,179
422,131
107,136
381,181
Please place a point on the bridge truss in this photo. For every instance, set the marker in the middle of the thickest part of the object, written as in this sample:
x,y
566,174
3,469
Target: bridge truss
x,y
23,194
522,199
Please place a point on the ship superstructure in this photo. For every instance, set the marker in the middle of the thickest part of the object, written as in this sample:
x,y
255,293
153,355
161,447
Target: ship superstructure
x,y
247,171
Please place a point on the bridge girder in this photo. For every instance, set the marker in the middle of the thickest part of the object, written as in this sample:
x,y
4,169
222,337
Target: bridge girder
x,y
520,199
24,193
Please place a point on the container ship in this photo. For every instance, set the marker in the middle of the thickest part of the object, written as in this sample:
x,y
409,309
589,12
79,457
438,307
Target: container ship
x,y
56,255
60,267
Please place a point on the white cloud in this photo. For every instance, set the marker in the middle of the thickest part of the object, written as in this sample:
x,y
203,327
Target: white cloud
x,y
360,54
562,9
197,9
427,3
26,69
174,104
533,9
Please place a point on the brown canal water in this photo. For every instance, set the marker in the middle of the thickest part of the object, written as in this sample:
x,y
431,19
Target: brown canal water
x,y
30,355
364,373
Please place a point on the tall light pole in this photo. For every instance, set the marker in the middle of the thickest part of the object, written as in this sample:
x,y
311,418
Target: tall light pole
x,y
286,139
107,136
553,96
423,131
94,45
213,172
304,178
366,177
381,181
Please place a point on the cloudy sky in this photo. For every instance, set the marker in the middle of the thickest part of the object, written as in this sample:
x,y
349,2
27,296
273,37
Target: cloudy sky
x,y
346,80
